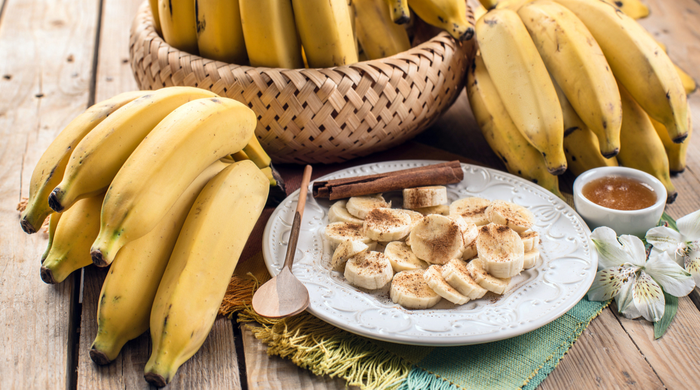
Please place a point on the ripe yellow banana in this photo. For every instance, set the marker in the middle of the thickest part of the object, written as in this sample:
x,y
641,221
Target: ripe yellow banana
x,y
75,232
676,152
635,9
689,84
219,31
378,35
513,5
255,152
637,62
523,84
201,265
127,293
449,15
519,157
398,11
478,9
100,155
188,140
271,37
488,4
578,66
326,32
640,146
53,223
156,18
179,24
49,170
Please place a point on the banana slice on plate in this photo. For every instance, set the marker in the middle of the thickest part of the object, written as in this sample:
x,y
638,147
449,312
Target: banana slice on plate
x,y
339,213
489,282
414,215
456,274
470,251
402,258
370,270
442,209
500,250
338,232
510,214
437,239
530,258
433,276
345,251
410,290
469,231
471,209
530,240
359,206
386,225
415,198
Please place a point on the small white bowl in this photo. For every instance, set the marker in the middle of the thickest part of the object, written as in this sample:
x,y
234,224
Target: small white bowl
x,y
635,222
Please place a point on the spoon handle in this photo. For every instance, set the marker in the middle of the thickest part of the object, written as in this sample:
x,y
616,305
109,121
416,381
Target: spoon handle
x,y
296,223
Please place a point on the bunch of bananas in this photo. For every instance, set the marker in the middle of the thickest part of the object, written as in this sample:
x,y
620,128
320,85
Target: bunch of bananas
x,y
577,84
300,33
145,182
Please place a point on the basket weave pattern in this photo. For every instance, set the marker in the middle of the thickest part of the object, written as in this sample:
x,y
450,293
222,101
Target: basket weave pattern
x,y
318,115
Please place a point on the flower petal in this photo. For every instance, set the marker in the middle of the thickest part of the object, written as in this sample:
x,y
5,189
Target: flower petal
x,y
635,249
690,226
624,299
610,251
608,282
665,239
648,298
672,277
692,265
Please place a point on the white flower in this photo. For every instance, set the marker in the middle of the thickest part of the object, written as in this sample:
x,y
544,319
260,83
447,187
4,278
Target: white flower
x,y
683,247
635,282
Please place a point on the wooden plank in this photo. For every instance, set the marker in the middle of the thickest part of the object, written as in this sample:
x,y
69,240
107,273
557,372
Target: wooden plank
x,y
44,76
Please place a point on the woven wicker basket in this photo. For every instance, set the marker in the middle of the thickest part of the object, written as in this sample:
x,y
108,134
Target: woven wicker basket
x,y
318,115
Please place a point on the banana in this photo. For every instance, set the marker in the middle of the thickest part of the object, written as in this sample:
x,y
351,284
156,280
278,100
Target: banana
x,y
579,67
271,37
442,209
127,294
219,31
489,4
583,152
379,36
635,9
437,239
156,18
70,249
415,198
456,274
53,223
510,214
637,62
523,84
267,171
410,290
472,210
201,265
641,147
500,250
369,270
433,276
386,225
360,206
449,15
339,213
402,258
49,170
689,84
99,156
338,232
513,5
470,251
468,230
257,154
478,9
325,29
414,216
531,239
175,152
530,258
483,279
519,157
398,11
179,24
345,250
676,152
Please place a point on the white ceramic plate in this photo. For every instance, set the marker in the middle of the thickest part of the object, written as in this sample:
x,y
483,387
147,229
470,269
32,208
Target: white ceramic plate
x,y
565,271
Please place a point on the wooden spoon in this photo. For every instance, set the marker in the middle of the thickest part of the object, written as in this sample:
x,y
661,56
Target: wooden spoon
x,y
284,295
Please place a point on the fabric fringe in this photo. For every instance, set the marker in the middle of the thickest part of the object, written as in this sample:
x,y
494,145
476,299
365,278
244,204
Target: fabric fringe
x,y
239,293
419,379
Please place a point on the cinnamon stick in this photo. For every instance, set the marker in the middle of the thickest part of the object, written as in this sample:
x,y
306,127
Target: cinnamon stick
x,y
436,174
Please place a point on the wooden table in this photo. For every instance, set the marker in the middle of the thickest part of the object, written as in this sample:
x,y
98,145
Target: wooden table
x,y
58,57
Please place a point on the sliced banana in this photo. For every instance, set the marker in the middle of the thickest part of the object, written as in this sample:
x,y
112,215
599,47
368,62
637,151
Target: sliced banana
x,y
442,209
370,270
437,239
345,251
470,251
383,224
510,214
359,206
530,240
530,258
456,274
500,250
338,232
402,258
415,198
489,282
471,209
469,231
339,213
414,215
433,276
410,290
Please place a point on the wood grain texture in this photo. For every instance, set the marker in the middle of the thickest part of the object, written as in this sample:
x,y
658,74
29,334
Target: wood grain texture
x,y
44,78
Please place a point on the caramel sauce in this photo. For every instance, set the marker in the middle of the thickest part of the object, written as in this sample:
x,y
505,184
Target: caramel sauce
x,y
620,193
